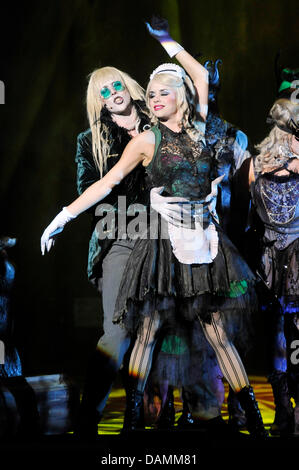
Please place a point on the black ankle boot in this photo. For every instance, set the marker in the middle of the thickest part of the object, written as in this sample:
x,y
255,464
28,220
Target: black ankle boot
x,y
100,375
296,409
167,417
186,420
134,417
284,413
296,420
86,428
254,419
237,418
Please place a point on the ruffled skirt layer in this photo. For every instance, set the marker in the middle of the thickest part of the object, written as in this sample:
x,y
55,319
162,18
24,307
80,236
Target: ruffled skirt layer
x,y
186,295
280,270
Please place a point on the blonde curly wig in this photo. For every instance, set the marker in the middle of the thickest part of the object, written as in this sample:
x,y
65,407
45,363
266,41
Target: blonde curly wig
x,y
274,150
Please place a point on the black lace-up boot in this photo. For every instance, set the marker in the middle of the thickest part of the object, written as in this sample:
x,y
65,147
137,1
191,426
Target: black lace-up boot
x,y
284,413
296,409
237,418
167,417
134,414
186,420
100,376
253,415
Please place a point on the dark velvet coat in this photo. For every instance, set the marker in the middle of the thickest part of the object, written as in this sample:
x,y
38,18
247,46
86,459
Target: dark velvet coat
x,y
132,185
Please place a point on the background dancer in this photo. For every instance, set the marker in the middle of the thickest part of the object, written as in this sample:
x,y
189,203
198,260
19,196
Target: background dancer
x,y
274,183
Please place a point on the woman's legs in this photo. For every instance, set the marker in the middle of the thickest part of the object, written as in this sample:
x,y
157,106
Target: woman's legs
x,y
234,372
292,343
139,369
278,378
142,353
228,357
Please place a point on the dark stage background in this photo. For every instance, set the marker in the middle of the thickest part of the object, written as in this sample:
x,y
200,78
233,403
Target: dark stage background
x,y
47,50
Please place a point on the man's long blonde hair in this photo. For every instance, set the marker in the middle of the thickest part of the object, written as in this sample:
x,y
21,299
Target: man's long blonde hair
x,y
100,132
274,149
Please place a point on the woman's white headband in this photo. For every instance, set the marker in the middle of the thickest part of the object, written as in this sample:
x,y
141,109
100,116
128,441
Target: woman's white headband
x,y
173,69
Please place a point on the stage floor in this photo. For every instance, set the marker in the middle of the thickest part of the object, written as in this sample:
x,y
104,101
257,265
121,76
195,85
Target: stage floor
x,y
112,420
176,447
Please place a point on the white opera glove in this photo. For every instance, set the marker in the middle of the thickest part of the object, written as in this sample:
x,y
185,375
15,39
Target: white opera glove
x,y
55,227
167,207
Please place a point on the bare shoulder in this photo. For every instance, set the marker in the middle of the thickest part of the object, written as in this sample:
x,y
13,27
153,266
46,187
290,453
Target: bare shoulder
x,y
145,137
144,144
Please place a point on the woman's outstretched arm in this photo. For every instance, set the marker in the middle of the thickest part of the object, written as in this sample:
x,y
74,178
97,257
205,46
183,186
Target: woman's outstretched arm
x,y
134,153
139,149
200,78
159,29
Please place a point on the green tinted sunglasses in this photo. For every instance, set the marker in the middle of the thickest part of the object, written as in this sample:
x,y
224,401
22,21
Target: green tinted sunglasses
x,y
106,92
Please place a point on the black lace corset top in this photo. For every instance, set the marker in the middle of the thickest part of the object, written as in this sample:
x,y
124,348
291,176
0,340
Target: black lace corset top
x,y
185,168
277,202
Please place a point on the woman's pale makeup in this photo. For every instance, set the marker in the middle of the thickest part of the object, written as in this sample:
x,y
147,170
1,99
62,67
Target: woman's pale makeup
x,y
162,101
119,101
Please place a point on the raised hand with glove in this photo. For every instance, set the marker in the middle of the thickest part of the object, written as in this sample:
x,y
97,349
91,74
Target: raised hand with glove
x,y
159,29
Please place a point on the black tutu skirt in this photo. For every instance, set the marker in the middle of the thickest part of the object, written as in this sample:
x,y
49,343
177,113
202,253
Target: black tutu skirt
x,y
184,358
154,280
280,271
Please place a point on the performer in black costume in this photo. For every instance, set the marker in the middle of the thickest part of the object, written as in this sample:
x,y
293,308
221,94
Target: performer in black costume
x,y
274,180
232,149
116,113
205,282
